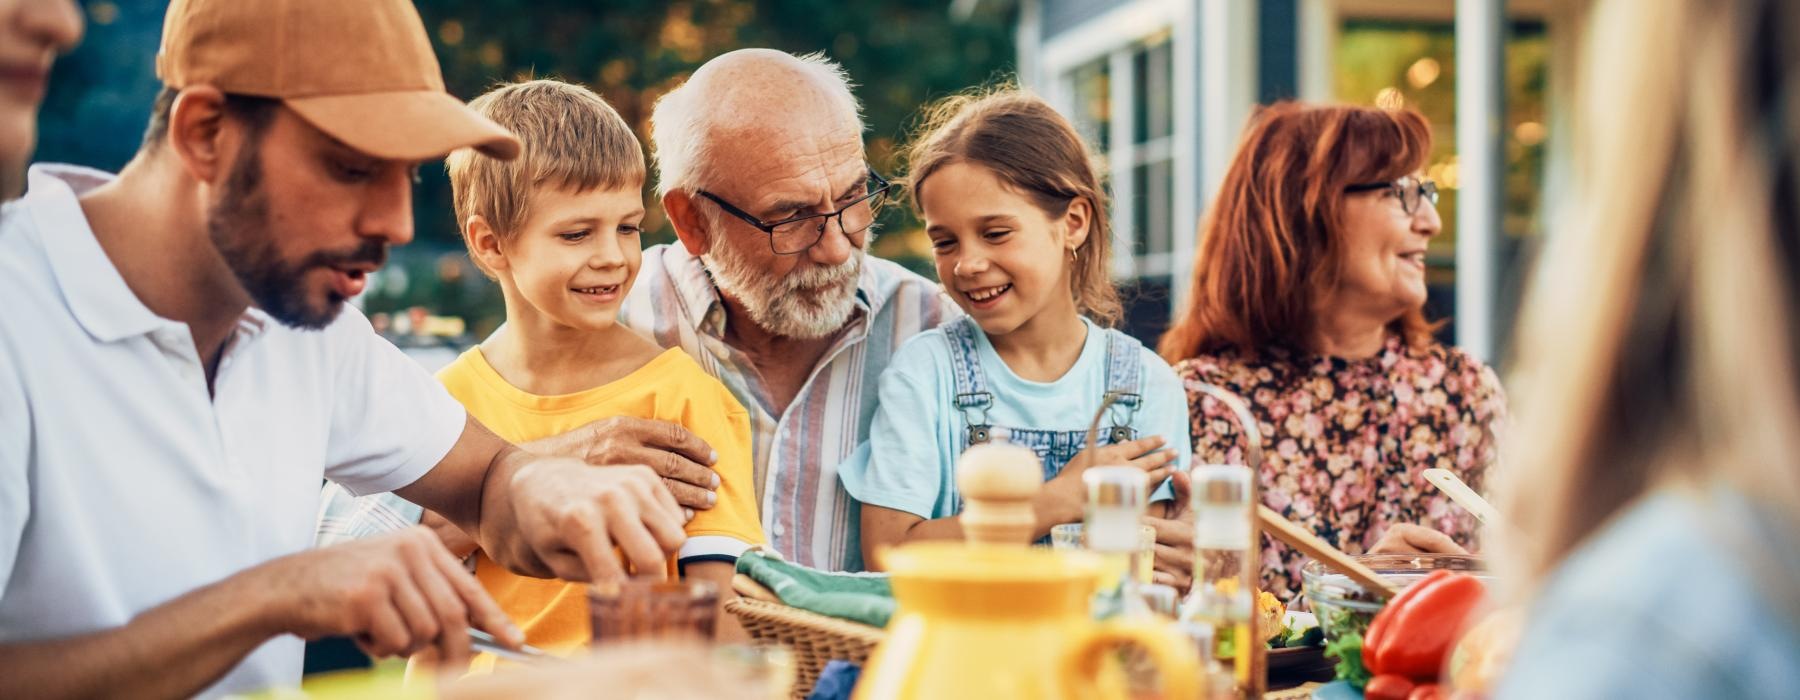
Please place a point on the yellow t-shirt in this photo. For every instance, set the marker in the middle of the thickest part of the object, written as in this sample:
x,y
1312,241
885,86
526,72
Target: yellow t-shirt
x,y
673,388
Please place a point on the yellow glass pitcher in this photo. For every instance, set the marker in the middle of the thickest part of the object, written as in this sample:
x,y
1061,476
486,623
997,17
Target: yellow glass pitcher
x,y
994,618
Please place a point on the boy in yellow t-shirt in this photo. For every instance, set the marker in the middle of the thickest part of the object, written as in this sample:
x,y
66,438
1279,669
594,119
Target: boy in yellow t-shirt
x,y
558,229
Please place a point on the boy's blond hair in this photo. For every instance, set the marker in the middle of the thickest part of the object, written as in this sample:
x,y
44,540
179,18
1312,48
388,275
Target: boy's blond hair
x,y
572,140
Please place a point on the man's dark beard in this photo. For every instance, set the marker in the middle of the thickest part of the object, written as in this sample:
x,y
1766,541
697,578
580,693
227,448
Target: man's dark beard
x,y
239,228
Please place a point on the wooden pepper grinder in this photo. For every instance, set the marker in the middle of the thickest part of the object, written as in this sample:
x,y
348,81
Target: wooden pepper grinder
x,y
998,481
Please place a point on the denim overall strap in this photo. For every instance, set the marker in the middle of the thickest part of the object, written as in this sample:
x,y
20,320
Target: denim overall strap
x,y
1054,448
973,399
1124,382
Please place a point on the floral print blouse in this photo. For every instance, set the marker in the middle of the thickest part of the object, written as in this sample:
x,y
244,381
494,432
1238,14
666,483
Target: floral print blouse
x,y
1346,442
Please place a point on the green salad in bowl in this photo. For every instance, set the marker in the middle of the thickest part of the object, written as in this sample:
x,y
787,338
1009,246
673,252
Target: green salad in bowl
x,y
1345,609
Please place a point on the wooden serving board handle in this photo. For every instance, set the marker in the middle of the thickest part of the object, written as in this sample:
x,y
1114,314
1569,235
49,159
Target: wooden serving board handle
x,y
1454,487
1310,545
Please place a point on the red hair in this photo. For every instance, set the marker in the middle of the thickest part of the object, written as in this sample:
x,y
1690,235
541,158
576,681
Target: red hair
x,y
1269,247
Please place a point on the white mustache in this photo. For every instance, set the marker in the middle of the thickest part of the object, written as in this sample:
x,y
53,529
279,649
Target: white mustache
x,y
821,277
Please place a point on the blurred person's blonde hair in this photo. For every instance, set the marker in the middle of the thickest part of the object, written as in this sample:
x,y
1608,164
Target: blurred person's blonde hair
x,y
572,140
1659,349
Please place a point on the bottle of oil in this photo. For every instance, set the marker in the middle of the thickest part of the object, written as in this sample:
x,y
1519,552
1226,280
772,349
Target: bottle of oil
x,y
1112,522
1223,597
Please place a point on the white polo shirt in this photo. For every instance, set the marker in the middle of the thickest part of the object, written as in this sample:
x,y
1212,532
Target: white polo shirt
x,y
123,484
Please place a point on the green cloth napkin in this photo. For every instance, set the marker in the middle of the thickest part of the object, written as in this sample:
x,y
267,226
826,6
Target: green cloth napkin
x,y
864,598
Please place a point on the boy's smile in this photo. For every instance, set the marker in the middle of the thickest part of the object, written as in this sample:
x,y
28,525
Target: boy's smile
x,y
602,294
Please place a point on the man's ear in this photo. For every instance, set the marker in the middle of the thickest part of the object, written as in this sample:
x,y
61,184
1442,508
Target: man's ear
x,y
1078,221
197,132
689,223
484,243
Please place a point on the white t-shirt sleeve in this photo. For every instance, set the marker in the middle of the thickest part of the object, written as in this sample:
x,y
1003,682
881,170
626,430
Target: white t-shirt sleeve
x,y
905,464
1166,408
391,420
1166,405
15,467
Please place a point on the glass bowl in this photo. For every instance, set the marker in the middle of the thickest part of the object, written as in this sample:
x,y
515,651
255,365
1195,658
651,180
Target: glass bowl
x,y
1344,607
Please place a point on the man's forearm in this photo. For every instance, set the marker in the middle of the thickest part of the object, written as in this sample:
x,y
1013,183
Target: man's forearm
x,y
470,485
495,522
174,650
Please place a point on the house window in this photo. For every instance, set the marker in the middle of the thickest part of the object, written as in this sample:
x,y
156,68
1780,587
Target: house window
x,y
1413,63
1092,109
1153,156
1123,104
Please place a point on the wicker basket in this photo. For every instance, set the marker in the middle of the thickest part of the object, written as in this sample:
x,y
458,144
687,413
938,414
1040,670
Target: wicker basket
x,y
815,639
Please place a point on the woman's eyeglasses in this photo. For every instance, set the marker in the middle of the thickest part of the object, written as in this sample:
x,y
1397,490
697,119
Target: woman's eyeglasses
x,y
1409,190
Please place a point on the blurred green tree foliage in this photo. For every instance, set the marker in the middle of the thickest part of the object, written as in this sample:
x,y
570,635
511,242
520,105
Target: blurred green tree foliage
x,y
900,53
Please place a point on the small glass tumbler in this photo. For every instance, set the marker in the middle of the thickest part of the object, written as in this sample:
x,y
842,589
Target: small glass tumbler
x,y
758,670
1067,536
644,609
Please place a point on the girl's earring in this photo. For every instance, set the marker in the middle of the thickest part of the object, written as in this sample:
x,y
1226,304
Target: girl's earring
x,y
1073,256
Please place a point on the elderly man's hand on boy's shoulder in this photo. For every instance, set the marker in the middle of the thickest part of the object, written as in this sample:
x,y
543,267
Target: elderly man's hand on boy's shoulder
x,y
683,460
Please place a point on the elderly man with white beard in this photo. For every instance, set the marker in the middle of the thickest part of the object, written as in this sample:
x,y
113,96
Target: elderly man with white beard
x,y
762,173
761,170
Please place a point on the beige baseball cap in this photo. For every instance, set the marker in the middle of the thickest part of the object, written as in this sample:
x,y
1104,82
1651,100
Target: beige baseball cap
x,y
359,70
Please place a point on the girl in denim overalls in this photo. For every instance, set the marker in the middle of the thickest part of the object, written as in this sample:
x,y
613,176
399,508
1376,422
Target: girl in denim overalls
x,y
1019,233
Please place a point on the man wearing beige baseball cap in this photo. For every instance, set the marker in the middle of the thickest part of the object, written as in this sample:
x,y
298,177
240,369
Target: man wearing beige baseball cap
x,y
178,374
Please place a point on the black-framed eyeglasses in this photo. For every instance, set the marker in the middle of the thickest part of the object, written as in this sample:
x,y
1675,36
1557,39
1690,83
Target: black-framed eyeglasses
x,y
793,235
1409,190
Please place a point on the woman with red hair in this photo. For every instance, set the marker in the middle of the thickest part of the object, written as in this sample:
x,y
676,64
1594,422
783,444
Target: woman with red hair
x,y
1307,301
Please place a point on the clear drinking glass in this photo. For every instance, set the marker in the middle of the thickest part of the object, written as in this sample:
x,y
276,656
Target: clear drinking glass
x,y
1072,536
1067,536
760,670
644,609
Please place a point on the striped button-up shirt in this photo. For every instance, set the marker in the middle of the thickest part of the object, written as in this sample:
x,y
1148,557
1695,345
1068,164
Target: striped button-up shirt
x,y
807,515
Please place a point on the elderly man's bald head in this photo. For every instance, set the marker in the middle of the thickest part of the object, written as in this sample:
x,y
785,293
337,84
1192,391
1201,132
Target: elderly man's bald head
x,y
745,98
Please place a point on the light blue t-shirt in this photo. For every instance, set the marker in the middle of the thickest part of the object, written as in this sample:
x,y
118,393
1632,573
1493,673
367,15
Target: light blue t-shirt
x,y
1677,598
909,461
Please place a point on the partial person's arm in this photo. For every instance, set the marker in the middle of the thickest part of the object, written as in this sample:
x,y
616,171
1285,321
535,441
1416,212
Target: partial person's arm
x,y
1062,498
910,461
718,536
1165,413
551,517
1058,502
886,527
901,473
396,594
1407,538
683,460
395,428
719,574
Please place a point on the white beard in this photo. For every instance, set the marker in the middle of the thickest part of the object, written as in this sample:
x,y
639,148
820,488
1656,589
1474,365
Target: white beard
x,y
806,304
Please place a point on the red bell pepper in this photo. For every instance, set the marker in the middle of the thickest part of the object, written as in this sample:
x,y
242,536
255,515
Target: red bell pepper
x,y
1415,632
1388,687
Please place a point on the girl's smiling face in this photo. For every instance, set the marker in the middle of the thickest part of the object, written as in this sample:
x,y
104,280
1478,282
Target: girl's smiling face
x,y
1000,256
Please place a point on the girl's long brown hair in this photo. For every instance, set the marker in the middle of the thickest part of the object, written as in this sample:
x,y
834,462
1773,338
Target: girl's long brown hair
x,y
1036,152
1269,248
